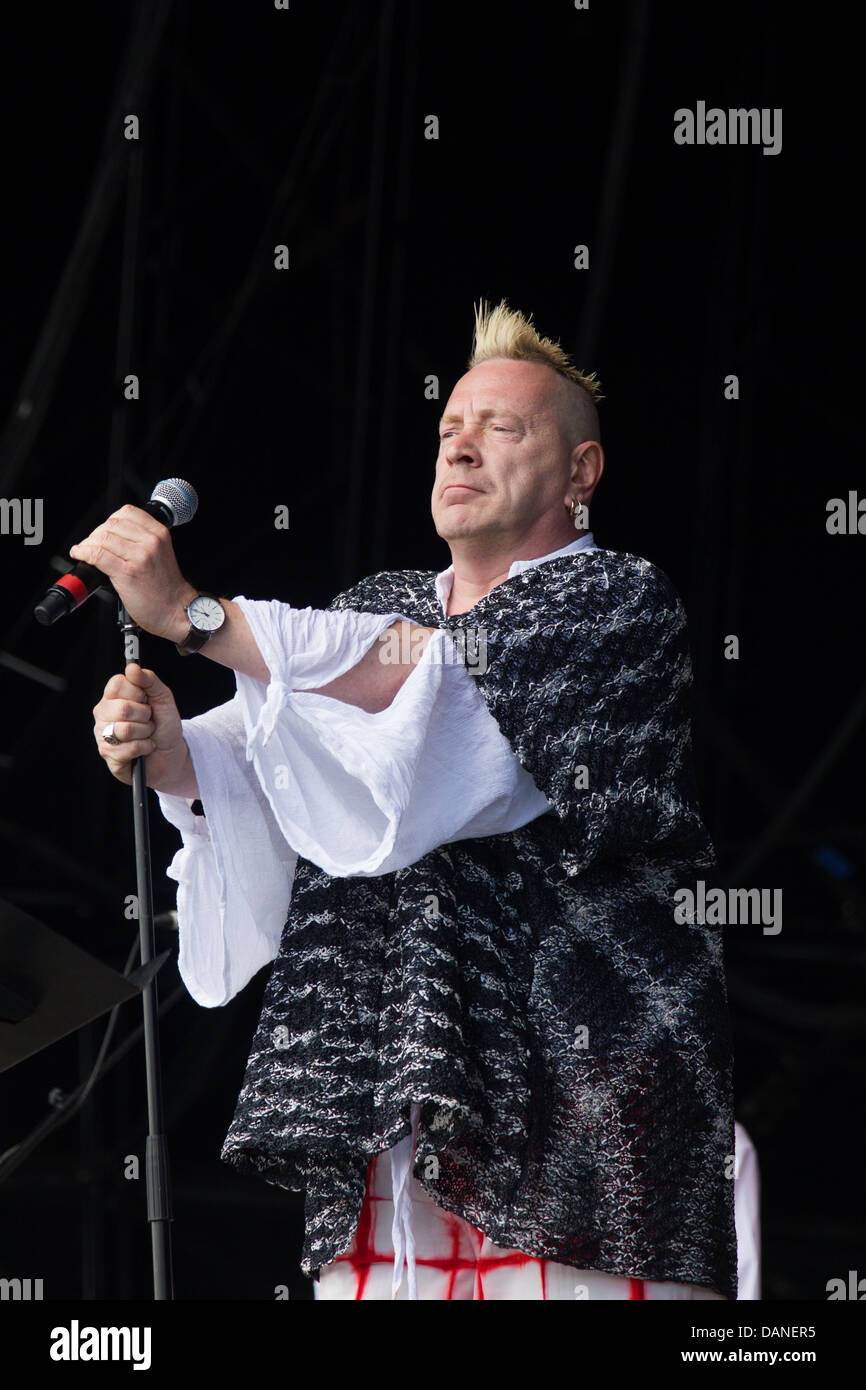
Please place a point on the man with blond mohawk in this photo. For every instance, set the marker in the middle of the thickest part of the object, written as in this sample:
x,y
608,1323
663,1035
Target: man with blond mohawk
x,y
453,811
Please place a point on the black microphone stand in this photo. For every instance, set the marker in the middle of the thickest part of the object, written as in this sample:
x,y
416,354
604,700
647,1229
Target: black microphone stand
x,y
159,1209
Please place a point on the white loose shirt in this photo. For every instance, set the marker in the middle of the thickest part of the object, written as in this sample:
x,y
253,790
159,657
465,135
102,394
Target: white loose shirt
x,y
284,772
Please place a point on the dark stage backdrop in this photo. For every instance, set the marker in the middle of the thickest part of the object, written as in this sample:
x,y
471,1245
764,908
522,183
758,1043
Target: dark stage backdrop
x,y
413,158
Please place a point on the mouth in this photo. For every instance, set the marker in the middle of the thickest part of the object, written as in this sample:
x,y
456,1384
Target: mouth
x,y
463,486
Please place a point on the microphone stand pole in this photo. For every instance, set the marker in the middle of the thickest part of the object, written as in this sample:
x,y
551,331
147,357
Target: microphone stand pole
x,y
159,1208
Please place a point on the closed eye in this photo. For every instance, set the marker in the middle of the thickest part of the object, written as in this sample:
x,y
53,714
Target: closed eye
x,y
504,428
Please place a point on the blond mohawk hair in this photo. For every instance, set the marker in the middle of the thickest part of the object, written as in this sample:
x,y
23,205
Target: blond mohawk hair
x,y
504,332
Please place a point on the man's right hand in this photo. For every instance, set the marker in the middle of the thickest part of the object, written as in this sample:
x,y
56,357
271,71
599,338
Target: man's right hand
x,y
147,723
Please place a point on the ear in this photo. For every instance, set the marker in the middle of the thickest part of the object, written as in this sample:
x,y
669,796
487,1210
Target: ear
x,y
587,466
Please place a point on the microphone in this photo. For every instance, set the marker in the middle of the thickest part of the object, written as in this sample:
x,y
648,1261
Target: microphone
x,y
172,502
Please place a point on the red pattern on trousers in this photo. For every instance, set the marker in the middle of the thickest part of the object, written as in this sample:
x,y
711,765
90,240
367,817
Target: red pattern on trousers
x,y
366,1255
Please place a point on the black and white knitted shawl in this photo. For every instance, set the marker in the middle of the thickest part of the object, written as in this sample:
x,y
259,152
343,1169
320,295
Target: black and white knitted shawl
x,y
568,1039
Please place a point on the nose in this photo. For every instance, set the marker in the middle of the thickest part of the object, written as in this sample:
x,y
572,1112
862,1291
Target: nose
x,y
462,447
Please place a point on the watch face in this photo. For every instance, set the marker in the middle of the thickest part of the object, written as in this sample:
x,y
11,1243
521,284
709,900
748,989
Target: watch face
x,y
206,614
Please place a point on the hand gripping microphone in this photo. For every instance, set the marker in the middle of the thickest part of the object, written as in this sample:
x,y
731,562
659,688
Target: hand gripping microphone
x,y
172,502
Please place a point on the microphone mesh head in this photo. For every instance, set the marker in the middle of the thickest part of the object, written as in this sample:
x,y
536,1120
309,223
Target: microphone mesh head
x,y
179,496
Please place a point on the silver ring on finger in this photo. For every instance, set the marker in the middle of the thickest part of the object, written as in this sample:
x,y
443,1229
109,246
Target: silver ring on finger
x,y
108,734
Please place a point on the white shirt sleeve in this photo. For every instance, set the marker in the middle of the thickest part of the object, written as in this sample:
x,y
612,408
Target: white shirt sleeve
x,y
234,870
282,771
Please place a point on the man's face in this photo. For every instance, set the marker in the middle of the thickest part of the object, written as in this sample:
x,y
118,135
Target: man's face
x,y
500,436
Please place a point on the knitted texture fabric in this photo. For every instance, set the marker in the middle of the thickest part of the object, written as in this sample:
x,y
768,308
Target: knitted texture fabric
x,y
567,1037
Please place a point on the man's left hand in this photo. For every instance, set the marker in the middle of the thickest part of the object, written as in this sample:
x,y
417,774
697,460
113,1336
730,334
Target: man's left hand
x,y
135,552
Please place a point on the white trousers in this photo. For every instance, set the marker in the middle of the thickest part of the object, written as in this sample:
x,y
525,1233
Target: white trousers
x,y
453,1260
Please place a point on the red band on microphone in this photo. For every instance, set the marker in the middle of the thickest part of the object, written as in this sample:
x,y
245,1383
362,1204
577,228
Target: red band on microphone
x,y
73,586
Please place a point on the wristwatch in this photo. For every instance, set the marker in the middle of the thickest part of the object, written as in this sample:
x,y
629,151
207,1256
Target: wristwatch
x,y
206,616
